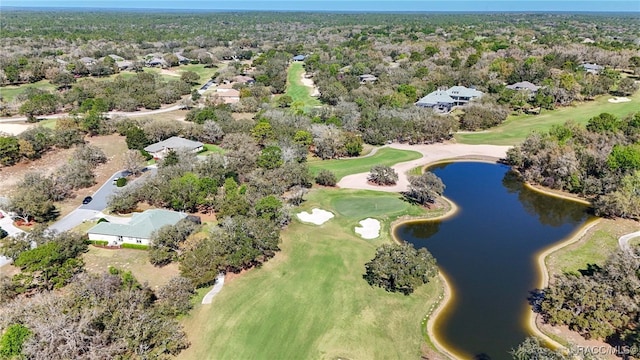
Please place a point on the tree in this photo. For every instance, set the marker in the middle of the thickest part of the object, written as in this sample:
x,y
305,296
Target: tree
x,y
9,150
270,158
190,77
627,86
136,138
604,123
623,202
382,175
326,178
91,154
211,132
262,132
284,101
303,137
353,144
424,189
63,80
400,268
268,207
12,340
531,348
175,298
32,204
165,242
134,162
76,174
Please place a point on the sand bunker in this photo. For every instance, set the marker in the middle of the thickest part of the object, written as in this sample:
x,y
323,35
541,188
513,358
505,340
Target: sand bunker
x,y
317,216
309,83
619,100
369,228
14,129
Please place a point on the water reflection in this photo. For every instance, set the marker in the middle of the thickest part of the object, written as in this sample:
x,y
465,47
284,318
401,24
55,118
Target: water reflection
x,y
487,252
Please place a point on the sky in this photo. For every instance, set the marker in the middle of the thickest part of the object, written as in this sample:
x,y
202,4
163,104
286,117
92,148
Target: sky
x,y
348,5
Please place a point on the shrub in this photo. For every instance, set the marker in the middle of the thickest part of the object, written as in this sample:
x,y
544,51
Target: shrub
x,y
99,242
146,155
326,178
121,182
135,246
101,220
3,233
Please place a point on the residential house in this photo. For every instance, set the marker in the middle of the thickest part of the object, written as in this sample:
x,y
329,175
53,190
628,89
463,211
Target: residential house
x,y
125,65
462,95
367,79
138,230
157,62
592,68
242,79
116,57
444,100
299,58
228,96
438,100
88,61
524,86
182,60
160,149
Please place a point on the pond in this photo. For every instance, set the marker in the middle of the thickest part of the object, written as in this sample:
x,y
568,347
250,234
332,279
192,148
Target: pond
x,y
488,252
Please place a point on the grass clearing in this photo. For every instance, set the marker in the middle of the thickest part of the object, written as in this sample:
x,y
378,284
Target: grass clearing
x,y
593,248
9,93
211,149
344,167
200,69
516,128
310,301
300,93
98,260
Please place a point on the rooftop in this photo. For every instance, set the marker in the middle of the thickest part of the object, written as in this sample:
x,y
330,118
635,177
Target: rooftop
x,y
174,142
436,97
142,225
462,91
523,85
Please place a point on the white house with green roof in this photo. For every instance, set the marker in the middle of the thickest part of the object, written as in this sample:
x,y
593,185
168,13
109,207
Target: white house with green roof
x,y
138,230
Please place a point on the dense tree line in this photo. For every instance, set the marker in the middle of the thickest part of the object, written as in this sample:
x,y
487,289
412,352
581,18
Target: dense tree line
x,y
600,161
600,302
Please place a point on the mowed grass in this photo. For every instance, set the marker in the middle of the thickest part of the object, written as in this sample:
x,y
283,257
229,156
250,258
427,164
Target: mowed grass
x,y
310,301
300,94
516,128
593,248
9,93
212,149
200,69
344,167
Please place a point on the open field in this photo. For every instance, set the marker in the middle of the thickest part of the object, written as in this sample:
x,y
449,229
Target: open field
x,y
516,128
200,69
299,92
344,167
310,301
98,260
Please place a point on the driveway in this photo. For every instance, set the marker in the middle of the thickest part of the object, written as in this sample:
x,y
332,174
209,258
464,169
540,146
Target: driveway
x,y
109,114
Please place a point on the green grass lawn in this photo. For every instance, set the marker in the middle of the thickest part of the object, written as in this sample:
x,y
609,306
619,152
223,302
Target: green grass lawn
x,y
200,69
310,301
344,167
516,128
8,93
211,149
298,92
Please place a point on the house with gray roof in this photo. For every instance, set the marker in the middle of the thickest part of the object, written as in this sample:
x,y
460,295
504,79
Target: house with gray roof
x,y
592,68
160,149
299,57
88,61
444,100
438,100
524,86
157,61
125,65
138,230
182,59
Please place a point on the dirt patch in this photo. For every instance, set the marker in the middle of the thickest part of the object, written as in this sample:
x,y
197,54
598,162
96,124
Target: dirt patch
x,y
10,176
14,129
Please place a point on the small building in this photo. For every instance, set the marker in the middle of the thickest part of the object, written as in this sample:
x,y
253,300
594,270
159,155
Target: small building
x,y
367,79
592,68
229,96
116,57
157,62
124,65
524,86
88,61
438,100
182,60
299,58
243,79
138,230
160,149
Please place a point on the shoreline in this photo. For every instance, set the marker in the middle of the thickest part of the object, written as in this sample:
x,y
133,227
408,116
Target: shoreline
x,y
543,271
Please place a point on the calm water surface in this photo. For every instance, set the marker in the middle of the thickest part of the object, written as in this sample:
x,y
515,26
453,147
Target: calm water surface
x,y
488,250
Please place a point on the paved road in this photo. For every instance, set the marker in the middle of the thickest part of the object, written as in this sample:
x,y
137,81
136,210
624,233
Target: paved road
x,y
623,241
109,114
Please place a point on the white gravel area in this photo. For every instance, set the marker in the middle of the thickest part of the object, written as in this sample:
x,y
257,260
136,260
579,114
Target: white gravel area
x,y
369,228
616,100
14,129
430,153
317,216
309,83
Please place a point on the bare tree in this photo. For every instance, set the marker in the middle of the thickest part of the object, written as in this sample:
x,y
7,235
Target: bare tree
x,y
134,162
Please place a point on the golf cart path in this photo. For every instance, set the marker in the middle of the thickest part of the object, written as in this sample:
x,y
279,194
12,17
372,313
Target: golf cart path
x,y
430,153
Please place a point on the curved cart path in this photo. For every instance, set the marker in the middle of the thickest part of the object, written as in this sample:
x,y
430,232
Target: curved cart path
x,y
430,153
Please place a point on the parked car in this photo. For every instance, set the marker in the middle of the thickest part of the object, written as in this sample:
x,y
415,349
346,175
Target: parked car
x,y
87,200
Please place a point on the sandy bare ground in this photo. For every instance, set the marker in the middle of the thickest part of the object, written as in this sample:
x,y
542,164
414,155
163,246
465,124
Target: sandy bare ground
x,y
309,83
619,100
430,154
169,72
14,129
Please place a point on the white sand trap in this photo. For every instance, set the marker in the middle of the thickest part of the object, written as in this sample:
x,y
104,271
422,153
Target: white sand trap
x,y
317,216
14,129
369,228
309,83
619,100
